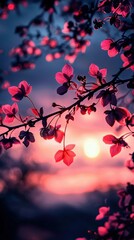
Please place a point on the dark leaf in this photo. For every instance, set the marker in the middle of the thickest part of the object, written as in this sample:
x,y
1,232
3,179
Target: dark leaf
x,y
30,137
110,119
62,90
22,134
26,142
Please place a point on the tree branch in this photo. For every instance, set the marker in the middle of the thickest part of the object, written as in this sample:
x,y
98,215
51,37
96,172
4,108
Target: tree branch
x,y
88,96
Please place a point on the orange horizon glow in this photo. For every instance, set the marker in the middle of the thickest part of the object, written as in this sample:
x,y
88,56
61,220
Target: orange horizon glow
x,y
80,182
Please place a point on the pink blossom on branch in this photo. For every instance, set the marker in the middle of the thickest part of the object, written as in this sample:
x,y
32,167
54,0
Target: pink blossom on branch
x,y
127,60
103,211
97,73
50,132
110,46
102,231
94,71
21,91
67,155
65,75
118,143
10,111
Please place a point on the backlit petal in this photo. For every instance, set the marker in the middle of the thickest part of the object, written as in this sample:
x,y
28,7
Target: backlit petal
x,y
70,147
105,44
59,155
60,78
68,70
115,149
93,70
109,139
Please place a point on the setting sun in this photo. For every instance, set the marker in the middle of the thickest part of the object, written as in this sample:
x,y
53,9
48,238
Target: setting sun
x,y
91,147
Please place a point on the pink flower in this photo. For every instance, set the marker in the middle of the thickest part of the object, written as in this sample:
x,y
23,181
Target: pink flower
x,y
127,60
66,155
100,74
102,231
102,6
66,28
71,57
10,111
64,78
118,143
110,46
65,75
94,71
52,132
21,91
103,211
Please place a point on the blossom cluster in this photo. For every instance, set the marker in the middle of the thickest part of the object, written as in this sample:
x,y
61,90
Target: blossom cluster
x,y
75,35
98,90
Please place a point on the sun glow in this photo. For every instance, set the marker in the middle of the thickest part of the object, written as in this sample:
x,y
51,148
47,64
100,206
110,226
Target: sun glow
x,y
91,147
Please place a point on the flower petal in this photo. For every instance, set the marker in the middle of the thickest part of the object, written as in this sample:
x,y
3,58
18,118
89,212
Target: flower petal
x,y
68,157
59,136
60,78
15,108
8,119
109,139
93,70
7,109
102,231
103,211
70,147
115,149
105,44
59,155
13,90
68,70
112,52
26,86
103,71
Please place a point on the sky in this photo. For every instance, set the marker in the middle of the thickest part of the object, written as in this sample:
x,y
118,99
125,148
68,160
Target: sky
x,y
54,184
